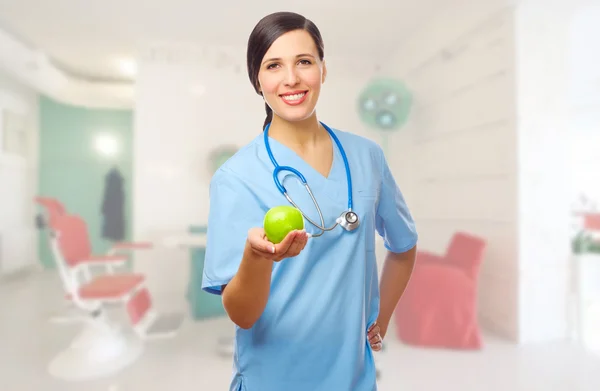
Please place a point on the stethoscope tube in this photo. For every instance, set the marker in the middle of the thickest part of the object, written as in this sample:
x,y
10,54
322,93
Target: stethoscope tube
x,y
283,190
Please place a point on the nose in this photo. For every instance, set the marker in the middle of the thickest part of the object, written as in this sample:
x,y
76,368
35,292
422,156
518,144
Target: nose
x,y
291,77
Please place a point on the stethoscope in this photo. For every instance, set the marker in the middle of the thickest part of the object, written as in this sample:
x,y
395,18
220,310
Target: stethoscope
x,y
348,219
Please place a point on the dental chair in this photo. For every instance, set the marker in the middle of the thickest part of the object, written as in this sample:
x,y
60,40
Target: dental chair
x,y
112,260
103,347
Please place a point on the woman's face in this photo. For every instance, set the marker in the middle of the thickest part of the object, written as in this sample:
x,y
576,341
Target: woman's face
x,y
291,75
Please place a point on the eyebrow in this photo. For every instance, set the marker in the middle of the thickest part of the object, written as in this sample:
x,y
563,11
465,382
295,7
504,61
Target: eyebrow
x,y
298,56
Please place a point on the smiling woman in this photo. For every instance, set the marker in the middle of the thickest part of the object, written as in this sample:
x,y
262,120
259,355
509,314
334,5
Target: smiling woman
x,y
307,308
286,66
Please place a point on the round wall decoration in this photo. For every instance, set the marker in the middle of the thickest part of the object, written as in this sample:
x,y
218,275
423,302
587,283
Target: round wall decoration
x,y
384,104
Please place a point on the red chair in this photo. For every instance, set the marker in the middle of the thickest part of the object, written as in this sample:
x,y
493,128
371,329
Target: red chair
x,y
439,305
54,208
115,256
103,347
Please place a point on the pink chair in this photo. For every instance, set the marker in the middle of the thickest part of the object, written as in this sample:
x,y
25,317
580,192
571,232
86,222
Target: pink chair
x,y
53,207
115,257
439,306
103,347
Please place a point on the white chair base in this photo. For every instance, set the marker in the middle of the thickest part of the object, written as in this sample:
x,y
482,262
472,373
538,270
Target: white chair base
x,y
163,326
95,353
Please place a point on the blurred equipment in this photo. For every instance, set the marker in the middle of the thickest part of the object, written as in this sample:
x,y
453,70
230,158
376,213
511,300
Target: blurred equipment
x,y
102,348
584,292
384,105
439,306
203,305
220,155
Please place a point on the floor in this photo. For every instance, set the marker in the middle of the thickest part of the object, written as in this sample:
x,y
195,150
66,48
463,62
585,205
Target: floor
x,y
191,362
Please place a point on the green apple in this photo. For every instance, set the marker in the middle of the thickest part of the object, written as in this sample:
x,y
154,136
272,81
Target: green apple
x,y
280,221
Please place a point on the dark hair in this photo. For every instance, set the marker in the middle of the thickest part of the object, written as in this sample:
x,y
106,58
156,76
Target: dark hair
x,y
266,31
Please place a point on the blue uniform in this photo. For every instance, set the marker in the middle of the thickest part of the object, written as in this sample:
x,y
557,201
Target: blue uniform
x,y
312,334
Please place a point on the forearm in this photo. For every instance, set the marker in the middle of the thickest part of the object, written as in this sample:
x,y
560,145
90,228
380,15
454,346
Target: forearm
x,y
395,275
246,295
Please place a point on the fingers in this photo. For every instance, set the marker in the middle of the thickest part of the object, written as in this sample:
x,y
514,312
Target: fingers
x,y
374,337
377,347
373,330
286,243
376,342
291,245
259,242
297,245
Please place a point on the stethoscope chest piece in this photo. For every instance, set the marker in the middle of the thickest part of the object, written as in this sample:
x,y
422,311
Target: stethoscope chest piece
x,y
349,220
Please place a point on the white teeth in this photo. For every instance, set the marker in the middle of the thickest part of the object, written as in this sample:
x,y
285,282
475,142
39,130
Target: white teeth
x,y
294,97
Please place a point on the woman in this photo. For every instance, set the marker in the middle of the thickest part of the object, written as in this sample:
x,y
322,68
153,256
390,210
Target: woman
x,y
308,311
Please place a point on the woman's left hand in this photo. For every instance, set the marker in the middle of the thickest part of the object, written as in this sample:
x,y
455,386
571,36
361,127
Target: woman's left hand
x,y
375,337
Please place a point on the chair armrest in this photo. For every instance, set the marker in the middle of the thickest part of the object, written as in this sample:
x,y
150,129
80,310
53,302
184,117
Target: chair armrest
x,y
129,247
189,241
101,260
132,246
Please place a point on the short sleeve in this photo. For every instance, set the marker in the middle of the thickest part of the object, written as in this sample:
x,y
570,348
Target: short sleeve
x,y
233,210
394,221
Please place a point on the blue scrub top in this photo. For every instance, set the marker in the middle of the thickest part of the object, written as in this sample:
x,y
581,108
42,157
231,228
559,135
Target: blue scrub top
x,y
312,334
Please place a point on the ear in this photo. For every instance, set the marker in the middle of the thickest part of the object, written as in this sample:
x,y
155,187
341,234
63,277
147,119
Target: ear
x,y
324,72
259,88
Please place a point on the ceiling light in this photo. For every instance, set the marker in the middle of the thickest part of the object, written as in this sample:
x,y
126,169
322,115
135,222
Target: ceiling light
x,y
106,145
128,67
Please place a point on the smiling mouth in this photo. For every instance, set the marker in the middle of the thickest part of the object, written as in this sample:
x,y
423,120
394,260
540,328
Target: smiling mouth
x,y
295,98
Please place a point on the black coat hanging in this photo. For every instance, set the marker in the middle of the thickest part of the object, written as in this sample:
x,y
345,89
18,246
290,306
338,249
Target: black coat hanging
x,y
113,207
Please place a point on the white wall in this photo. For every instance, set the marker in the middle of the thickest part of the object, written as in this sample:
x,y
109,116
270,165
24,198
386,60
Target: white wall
x,y
18,181
542,57
584,126
460,143
558,96
584,100
175,130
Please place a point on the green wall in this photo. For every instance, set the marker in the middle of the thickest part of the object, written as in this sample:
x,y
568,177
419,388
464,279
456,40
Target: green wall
x,y
73,171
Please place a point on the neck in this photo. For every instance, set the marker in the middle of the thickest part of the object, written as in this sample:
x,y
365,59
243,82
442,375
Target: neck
x,y
306,133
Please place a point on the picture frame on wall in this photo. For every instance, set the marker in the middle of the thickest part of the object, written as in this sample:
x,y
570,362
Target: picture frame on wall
x,y
14,133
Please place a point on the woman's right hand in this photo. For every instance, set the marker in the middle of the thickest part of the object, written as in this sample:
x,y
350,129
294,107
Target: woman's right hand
x,y
290,246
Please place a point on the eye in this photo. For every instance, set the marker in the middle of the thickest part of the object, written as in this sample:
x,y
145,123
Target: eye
x,y
305,62
272,66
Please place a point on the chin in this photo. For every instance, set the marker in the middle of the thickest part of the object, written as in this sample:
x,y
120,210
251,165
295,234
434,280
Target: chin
x,y
296,116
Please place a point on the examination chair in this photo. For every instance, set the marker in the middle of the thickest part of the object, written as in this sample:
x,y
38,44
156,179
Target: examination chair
x,y
439,306
103,347
112,260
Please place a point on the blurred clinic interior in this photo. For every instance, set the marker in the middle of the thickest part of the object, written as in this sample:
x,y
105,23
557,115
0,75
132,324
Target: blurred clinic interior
x,y
117,114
